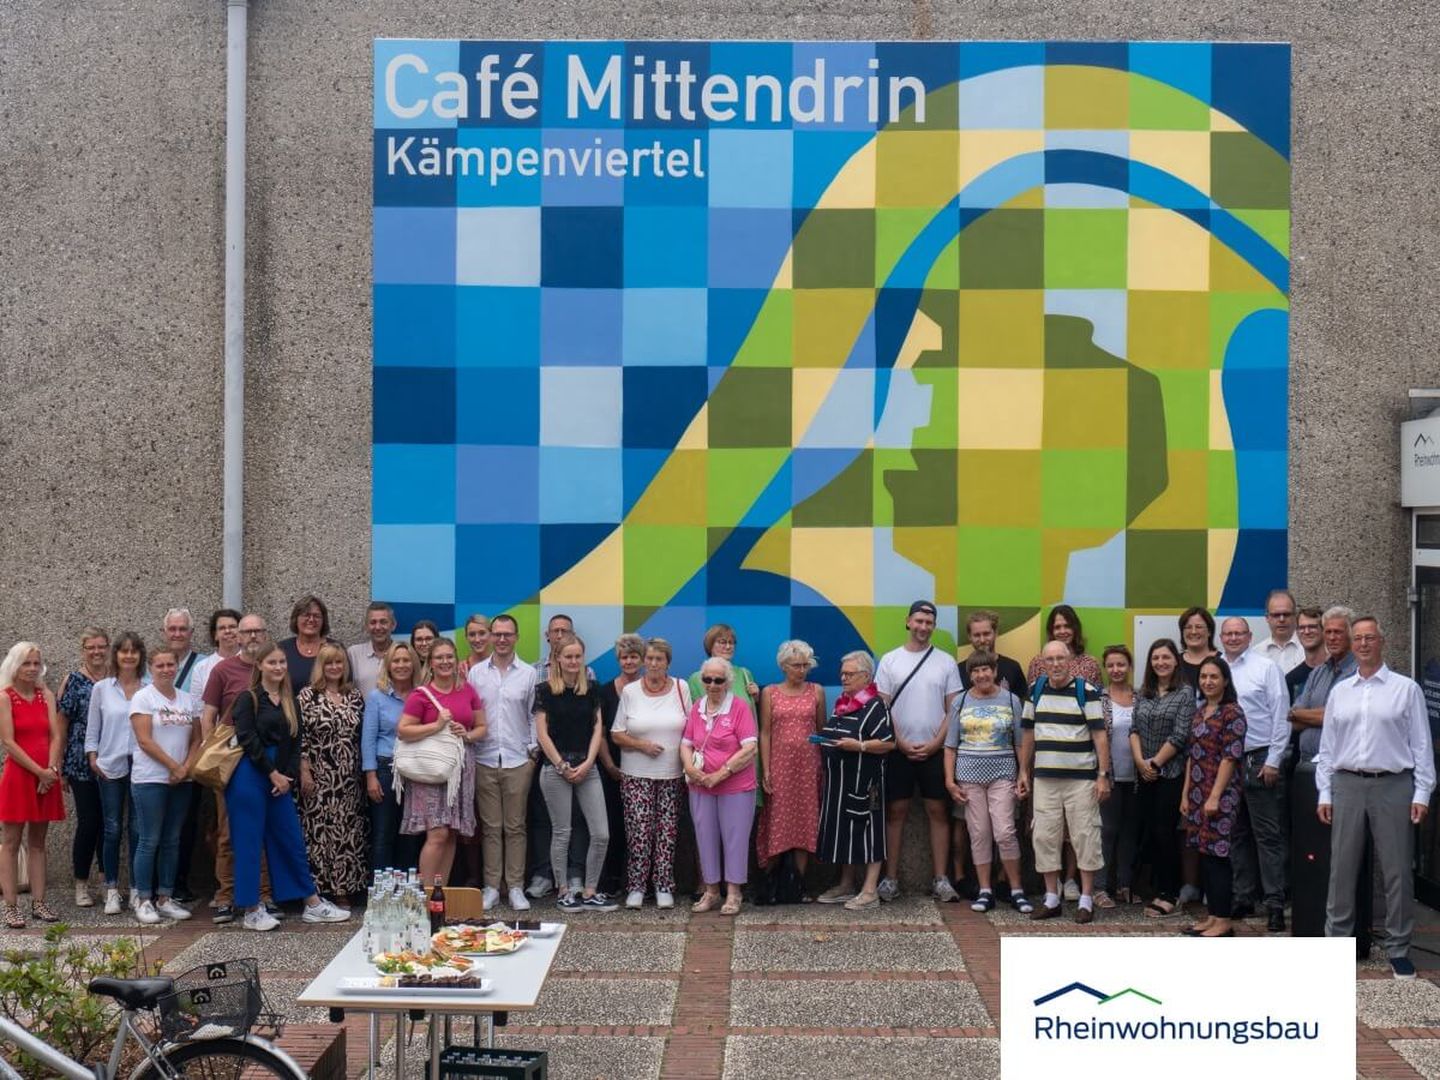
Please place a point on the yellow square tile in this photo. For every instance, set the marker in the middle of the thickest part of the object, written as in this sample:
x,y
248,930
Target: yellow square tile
x,y
916,168
1167,251
1085,409
1184,504
837,563
1184,154
1002,328
1000,408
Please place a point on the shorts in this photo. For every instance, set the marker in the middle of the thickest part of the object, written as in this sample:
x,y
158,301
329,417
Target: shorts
x,y
904,777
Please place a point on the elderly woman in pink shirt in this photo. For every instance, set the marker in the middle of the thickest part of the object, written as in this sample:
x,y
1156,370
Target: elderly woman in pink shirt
x,y
718,751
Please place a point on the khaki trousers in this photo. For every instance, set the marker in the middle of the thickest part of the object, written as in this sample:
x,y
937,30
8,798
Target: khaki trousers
x,y
1062,802
501,798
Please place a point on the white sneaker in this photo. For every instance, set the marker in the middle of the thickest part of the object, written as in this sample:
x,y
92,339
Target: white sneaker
x,y
171,910
1072,890
943,891
635,899
540,885
146,913
664,899
325,911
518,900
82,895
888,889
134,898
489,897
259,919
113,906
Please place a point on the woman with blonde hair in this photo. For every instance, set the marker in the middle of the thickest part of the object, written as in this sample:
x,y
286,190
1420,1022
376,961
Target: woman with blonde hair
x,y
445,701
33,737
383,707
570,733
259,801
331,798
477,638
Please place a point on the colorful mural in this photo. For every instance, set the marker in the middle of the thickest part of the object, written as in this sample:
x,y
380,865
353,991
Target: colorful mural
x,y
787,335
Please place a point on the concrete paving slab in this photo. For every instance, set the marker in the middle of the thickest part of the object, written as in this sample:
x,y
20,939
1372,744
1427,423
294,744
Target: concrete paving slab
x,y
855,1003
825,950
765,1057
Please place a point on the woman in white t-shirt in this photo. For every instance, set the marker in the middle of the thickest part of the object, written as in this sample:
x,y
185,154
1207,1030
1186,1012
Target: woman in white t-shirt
x,y
1120,813
648,725
167,741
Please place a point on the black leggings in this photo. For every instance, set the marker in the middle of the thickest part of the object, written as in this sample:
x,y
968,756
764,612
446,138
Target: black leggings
x,y
89,828
1158,803
1219,882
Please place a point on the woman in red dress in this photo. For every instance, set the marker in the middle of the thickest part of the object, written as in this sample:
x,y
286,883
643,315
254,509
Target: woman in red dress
x,y
789,714
33,737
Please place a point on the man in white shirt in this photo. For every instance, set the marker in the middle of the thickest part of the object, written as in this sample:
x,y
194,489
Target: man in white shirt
x,y
1376,767
1260,847
919,682
1282,647
367,656
505,762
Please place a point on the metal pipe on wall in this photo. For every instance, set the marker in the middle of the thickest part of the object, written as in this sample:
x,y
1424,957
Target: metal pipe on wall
x,y
233,514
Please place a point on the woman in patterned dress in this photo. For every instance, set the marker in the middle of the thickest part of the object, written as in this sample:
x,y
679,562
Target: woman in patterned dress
x,y
1211,798
852,809
74,706
790,763
332,801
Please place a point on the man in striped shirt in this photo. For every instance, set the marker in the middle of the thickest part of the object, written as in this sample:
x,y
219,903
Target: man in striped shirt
x,y
1065,760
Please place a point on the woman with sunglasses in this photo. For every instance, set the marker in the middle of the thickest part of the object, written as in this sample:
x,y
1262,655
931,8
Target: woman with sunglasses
x,y
717,752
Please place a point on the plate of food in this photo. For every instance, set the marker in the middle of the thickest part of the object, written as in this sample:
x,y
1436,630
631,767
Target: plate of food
x,y
466,940
436,982
533,927
441,964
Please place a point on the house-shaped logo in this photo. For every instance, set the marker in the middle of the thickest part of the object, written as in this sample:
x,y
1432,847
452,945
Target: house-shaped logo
x,y
1101,998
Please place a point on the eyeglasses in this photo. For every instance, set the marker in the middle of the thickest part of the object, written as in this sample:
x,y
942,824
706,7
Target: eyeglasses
x,y
1365,639
310,615
713,680
850,674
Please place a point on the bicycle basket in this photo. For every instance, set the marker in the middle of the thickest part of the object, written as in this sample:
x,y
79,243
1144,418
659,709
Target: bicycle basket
x,y
213,1001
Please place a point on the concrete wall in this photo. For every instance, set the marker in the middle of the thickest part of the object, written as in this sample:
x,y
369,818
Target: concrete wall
x,y
111,294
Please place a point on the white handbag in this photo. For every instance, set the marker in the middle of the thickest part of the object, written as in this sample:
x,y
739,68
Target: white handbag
x,y
439,758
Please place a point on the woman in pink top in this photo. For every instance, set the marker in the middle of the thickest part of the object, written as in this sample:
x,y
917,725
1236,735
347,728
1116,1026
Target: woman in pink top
x,y
447,701
717,752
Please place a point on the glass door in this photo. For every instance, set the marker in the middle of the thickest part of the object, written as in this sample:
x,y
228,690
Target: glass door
x,y
1427,673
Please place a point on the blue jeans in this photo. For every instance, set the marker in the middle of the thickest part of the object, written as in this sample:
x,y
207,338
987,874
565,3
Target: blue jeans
x,y
114,801
160,811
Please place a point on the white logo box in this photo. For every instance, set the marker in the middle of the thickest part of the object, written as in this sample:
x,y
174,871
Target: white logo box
x,y
1224,1007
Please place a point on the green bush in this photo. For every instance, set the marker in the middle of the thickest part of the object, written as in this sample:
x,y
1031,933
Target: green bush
x,y
44,990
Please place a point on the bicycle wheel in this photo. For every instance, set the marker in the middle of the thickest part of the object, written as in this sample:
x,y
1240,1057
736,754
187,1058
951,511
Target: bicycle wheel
x,y
222,1059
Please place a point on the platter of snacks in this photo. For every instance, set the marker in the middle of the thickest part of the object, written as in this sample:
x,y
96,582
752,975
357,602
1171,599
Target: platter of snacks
x,y
461,982
466,940
436,970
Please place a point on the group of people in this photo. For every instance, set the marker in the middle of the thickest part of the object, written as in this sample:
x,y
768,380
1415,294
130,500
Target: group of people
x,y
493,771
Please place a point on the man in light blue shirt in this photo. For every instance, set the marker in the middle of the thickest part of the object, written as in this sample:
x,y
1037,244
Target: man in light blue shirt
x,y
1260,846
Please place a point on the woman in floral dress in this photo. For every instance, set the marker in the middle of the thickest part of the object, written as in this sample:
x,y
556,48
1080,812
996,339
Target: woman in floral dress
x,y
333,810
1211,797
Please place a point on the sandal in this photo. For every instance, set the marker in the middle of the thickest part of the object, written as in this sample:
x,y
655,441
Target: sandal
x,y
1021,903
41,911
1161,909
1103,900
707,902
1124,896
731,906
984,902
13,919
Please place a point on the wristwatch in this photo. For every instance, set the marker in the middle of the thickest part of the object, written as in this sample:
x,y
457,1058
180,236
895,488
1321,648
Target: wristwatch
x,y
1104,775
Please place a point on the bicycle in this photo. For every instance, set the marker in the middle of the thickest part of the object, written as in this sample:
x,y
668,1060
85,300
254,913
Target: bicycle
x,y
203,1019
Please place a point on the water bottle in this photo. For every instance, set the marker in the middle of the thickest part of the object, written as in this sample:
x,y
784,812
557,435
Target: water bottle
x,y
369,939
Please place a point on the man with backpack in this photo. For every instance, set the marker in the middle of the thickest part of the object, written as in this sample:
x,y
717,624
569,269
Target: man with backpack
x,y
1064,757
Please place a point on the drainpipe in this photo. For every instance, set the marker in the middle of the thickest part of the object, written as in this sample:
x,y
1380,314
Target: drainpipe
x,y
233,557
